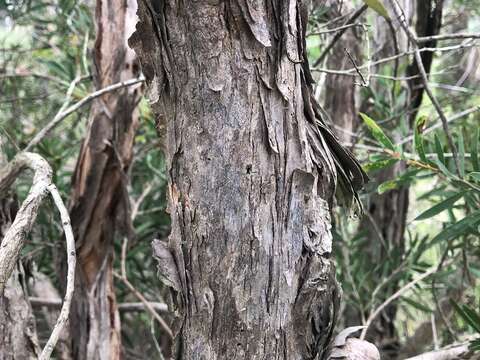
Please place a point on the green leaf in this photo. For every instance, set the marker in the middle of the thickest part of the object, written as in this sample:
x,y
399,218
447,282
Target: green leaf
x,y
377,132
417,305
395,183
461,154
441,166
439,149
380,164
438,208
469,315
418,138
458,228
378,7
475,150
474,271
474,175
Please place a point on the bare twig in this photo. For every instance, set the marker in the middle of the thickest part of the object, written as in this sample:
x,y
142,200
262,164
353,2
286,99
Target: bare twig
x,y
401,16
339,34
123,277
147,304
14,239
61,115
71,259
424,39
394,57
436,126
450,353
396,295
122,307
352,60
343,27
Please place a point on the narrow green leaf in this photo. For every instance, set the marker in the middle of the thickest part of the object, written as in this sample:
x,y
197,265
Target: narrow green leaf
x,y
474,271
417,305
438,208
439,149
399,181
474,318
378,7
461,154
377,132
458,228
475,150
380,164
474,175
441,166
418,138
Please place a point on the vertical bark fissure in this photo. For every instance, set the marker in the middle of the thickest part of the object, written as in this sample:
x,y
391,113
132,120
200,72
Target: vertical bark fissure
x,y
98,183
252,173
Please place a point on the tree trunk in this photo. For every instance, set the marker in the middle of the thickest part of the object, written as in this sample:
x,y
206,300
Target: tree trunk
x,y
429,22
18,335
99,184
340,90
252,172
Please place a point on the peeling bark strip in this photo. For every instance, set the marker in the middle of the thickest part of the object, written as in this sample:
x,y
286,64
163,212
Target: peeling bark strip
x,y
99,184
252,173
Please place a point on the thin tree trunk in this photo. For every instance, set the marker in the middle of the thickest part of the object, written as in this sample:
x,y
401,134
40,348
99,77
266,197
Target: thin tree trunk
x,y
429,22
387,213
18,335
340,90
252,172
98,185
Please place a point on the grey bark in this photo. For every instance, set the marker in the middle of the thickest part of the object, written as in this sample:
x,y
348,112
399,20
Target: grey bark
x,y
18,336
252,172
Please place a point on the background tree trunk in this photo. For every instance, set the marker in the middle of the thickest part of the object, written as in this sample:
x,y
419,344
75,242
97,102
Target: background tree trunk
x,y
99,185
251,178
340,90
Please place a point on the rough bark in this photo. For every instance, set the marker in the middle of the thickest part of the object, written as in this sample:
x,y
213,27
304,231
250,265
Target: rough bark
x,y
252,171
18,337
99,183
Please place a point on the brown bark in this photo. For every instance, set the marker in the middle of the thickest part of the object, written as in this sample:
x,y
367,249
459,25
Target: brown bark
x,y
340,90
99,184
252,172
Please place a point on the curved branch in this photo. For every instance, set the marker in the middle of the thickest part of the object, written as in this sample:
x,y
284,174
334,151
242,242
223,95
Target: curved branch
x,y
14,238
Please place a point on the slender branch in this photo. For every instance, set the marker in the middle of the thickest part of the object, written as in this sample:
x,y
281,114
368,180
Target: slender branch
x,y
450,353
14,238
396,295
122,307
343,27
145,302
412,37
436,126
394,57
71,261
339,34
61,115
424,39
